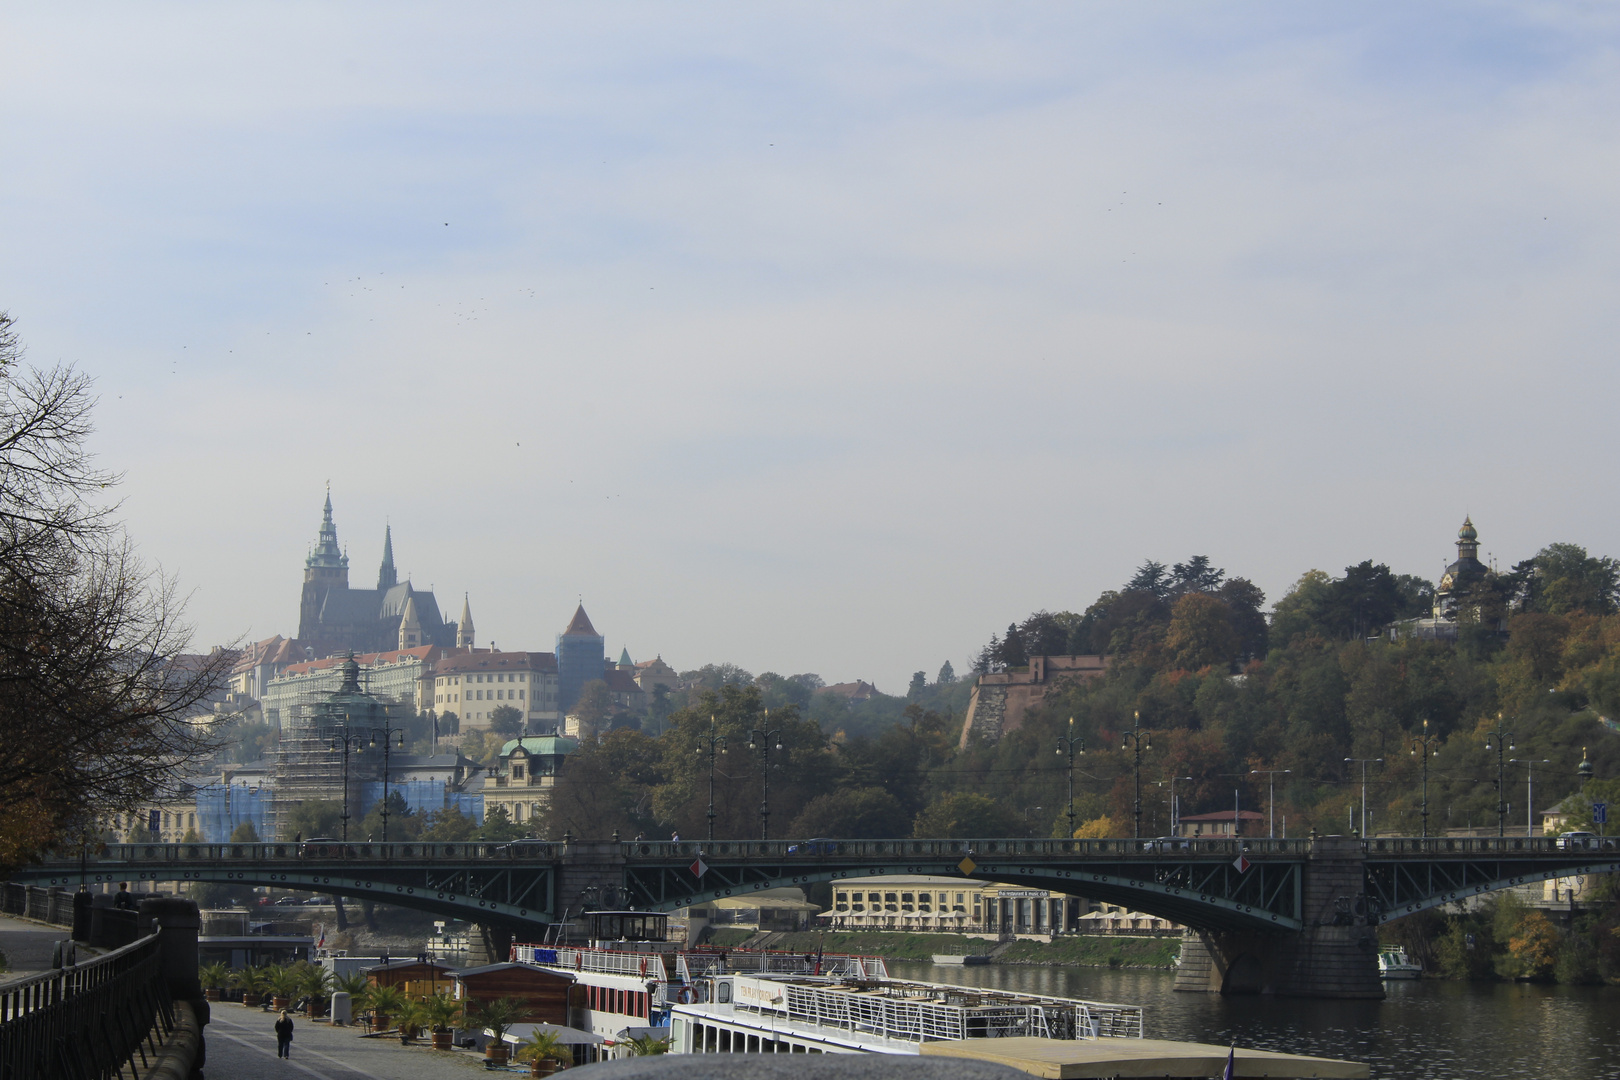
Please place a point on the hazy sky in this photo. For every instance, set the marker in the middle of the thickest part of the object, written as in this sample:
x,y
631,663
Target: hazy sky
x,y
820,337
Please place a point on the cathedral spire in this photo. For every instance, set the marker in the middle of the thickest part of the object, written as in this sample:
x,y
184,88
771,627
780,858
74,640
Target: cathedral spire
x,y
387,577
327,555
464,629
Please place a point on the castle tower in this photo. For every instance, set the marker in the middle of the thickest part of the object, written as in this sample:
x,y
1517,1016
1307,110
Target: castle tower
x,y
325,569
387,578
1467,570
410,623
625,663
464,628
580,658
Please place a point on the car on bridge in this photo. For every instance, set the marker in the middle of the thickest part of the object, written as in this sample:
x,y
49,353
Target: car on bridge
x,y
1578,841
819,846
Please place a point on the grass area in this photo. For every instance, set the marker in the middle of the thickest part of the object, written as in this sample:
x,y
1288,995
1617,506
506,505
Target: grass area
x,y
1076,951
1096,952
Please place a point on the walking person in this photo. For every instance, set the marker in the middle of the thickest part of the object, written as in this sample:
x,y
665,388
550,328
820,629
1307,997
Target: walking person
x,y
284,1035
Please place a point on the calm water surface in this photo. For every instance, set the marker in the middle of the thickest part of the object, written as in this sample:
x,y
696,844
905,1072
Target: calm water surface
x,y
1425,1029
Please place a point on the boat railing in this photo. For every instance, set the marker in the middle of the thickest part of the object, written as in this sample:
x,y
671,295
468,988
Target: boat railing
x,y
646,965
917,1019
778,962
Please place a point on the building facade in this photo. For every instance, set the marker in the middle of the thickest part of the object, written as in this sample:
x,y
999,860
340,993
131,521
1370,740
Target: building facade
x,y
475,683
527,772
999,700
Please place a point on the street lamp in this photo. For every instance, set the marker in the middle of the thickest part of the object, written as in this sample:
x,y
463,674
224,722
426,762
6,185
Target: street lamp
x,y
1137,739
1504,742
716,744
1175,805
1074,745
1271,806
349,738
764,741
1364,762
1029,825
1529,790
1421,748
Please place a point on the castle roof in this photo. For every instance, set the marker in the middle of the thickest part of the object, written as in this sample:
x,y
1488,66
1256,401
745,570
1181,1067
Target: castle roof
x,y
580,625
393,656
550,745
496,661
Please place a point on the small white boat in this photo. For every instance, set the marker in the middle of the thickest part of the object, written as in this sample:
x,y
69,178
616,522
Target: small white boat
x,y
1393,963
957,961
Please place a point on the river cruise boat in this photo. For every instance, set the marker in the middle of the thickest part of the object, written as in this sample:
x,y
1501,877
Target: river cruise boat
x,y
628,982
1393,963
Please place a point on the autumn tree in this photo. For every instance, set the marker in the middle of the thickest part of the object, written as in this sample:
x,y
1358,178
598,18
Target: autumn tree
x,y
95,687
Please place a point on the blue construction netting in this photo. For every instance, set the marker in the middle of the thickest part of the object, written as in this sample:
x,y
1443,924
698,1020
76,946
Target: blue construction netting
x,y
220,811
425,797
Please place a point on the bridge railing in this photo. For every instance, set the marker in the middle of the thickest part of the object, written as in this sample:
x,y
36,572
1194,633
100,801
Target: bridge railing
x,y
1001,848
324,851
1427,847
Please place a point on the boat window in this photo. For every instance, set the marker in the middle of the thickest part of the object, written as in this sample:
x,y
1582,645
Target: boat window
x,y
725,992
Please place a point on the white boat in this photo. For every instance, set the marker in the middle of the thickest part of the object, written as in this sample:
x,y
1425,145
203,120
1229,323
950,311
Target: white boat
x,y
715,1000
1393,963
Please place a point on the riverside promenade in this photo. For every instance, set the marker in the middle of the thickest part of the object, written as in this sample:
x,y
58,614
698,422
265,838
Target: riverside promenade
x,y
242,1046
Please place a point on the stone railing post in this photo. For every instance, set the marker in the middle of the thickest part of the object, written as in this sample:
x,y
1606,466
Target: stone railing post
x,y
178,922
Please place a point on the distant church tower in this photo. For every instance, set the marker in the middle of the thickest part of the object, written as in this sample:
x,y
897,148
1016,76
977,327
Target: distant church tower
x,y
327,568
580,659
387,578
1460,575
464,629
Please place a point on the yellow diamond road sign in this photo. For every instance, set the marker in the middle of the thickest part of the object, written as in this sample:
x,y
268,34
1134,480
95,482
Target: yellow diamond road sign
x,y
967,865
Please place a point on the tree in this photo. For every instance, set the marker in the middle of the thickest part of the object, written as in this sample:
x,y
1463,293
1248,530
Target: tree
x,y
506,720
97,689
403,822
1567,580
1200,633
962,816
947,674
919,683
864,813
594,706
449,825
245,833
1151,578
498,827
312,818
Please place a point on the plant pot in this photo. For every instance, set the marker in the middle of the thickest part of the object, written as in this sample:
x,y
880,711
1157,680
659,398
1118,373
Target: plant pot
x,y
443,1040
381,1021
316,1010
542,1066
279,1003
212,993
499,1051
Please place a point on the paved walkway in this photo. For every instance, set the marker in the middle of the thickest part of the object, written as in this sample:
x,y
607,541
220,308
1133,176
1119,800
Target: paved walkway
x,y
242,1046
28,946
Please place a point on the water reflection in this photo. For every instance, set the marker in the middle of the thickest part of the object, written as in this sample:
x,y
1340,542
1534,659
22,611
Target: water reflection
x,y
1423,1030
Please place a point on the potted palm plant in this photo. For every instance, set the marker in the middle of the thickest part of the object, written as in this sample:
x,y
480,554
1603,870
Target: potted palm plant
x,y
412,1021
385,1002
358,987
251,981
283,983
647,1046
444,1013
213,978
315,983
495,1017
544,1052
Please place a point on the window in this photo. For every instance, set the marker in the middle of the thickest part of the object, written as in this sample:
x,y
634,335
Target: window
x,y
517,772
520,695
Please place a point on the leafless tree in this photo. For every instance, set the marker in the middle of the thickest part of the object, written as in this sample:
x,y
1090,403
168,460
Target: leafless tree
x,y
96,692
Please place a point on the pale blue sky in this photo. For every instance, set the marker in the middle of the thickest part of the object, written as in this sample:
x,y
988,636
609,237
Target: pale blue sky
x,y
820,337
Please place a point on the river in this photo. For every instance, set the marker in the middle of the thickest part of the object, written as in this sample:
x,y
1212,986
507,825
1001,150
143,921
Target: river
x,y
1422,1030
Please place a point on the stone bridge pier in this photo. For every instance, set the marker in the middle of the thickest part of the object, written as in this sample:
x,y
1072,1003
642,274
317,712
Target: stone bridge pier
x,y
1335,955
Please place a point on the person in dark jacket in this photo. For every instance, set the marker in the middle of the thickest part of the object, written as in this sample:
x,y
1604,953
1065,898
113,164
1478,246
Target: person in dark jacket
x,y
125,900
284,1035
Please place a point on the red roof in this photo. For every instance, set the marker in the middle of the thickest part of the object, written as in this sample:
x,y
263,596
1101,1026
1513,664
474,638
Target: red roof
x,y
580,624
421,652
484,660
1224,815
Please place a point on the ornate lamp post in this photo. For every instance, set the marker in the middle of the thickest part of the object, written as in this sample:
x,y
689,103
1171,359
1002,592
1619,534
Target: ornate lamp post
x,y
1271,805
1175,806
1073,745
348,738
1422,747
764,741
716,744
1503,742
1137,739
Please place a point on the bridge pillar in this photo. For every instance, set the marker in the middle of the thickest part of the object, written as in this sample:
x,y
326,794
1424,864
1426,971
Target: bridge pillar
x,y
590,875
1335,955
